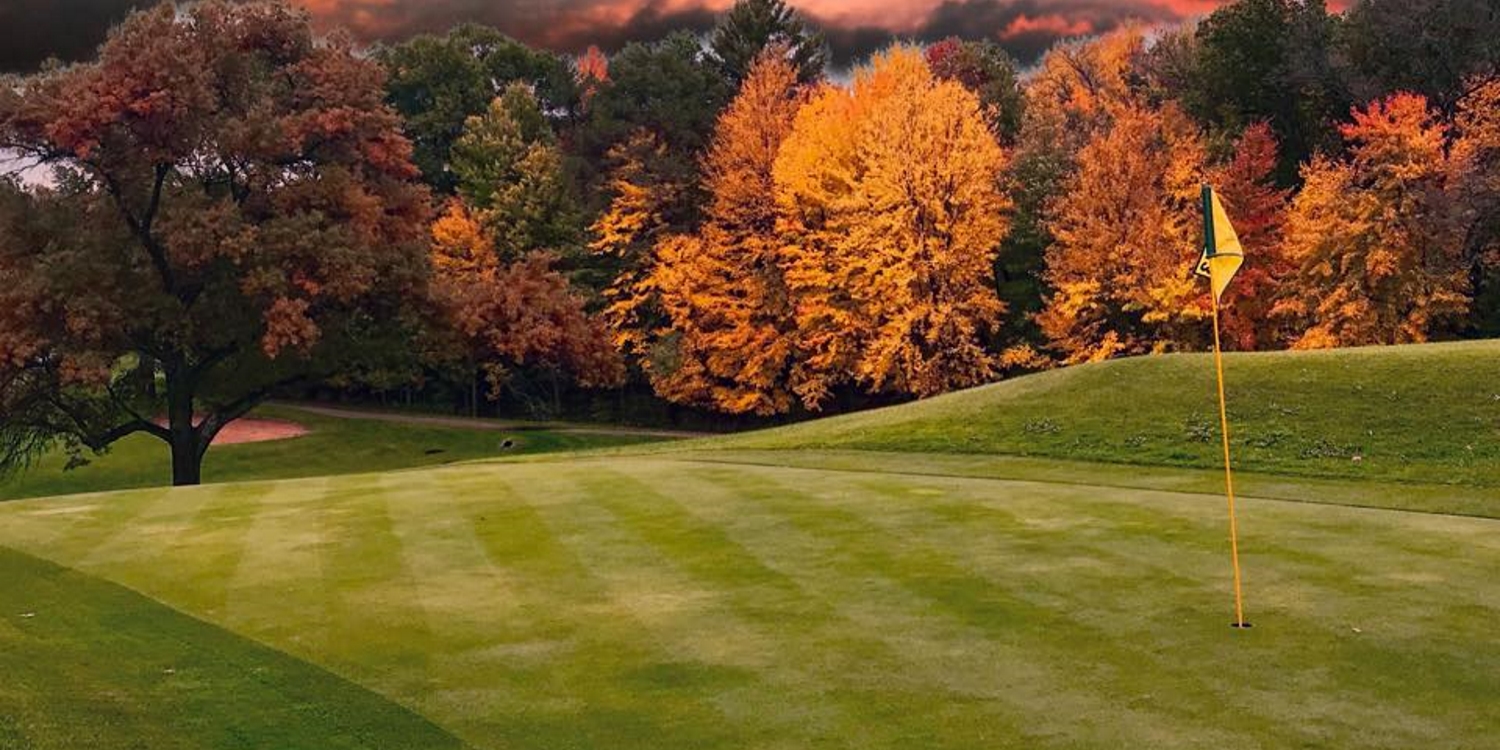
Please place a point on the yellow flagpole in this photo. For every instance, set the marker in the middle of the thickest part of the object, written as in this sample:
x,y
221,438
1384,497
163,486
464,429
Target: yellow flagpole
x,y
1234,540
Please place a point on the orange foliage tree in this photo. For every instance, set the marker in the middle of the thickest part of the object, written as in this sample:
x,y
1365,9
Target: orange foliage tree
x,y
1126,232
647,205
729,340
1475,164
1375,238
591,70
506,315
888,196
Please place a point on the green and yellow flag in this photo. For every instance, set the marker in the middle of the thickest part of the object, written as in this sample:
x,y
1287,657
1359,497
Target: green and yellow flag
x,y
1222,253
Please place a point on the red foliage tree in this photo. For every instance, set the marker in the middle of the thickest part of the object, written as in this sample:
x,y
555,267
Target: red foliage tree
x,y
517,313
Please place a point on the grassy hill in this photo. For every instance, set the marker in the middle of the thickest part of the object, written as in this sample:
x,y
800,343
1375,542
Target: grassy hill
x,y
1427,413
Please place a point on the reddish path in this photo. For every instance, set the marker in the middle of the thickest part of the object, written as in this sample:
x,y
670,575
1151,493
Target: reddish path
x,y
252,430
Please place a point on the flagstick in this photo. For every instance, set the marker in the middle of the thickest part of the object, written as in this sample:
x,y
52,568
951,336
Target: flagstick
x,y
1234,541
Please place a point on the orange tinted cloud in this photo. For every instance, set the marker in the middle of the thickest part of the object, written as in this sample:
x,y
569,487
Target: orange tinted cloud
x,y
1054,25
38,28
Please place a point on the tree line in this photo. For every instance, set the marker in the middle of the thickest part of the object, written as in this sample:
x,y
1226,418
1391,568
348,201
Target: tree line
x,y
236,206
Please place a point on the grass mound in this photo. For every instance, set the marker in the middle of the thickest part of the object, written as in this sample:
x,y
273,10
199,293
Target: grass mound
x,y
1427,413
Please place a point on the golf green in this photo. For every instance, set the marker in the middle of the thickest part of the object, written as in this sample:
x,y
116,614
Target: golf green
x,y
699,600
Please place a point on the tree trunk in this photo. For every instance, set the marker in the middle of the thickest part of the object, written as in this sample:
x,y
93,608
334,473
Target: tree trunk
x,y
187,459
187,449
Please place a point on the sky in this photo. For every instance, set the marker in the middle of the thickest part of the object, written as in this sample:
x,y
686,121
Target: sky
x,y
71,29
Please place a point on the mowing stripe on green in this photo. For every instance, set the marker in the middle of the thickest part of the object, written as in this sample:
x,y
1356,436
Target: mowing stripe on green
x,y
91,664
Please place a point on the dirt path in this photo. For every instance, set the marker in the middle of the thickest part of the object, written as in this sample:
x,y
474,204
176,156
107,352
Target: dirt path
x,y
484,424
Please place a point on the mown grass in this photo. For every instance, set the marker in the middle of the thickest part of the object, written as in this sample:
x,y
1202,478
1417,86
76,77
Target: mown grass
x,y
666,602
334,446
89,664
1428,413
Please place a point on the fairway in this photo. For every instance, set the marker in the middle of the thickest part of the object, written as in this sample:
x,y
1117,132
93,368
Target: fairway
x,y
700,600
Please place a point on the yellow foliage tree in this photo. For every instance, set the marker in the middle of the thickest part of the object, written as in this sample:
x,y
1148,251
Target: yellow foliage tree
x,y
1375,240
729,341
1127,229
889,200
639,214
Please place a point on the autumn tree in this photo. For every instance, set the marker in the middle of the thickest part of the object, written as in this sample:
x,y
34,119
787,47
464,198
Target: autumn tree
x,y
728,343
1375,238
509,168
750,27
1475,164
511,314
1126,231
990,73
1071,96
890,204
233,209
591,70
649,124
437,83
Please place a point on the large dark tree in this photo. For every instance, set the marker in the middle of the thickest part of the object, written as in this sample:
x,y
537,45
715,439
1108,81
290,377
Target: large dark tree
x,y
753,25
1272,61
439,82
233,209
669,87
1432,47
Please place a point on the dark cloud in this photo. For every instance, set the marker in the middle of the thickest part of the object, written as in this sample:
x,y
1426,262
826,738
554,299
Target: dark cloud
x,y
34,30
71,29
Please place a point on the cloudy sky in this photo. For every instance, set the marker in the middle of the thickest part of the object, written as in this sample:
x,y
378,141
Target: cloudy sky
x,y
36,29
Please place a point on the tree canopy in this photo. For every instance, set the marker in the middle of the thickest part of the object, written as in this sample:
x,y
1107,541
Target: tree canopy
x,y
234,209
750,27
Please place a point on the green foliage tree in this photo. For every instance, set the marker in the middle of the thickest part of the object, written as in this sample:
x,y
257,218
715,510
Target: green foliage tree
x,y
509,168
1273,61
669,87
234,210
1432,47
752,26
438,82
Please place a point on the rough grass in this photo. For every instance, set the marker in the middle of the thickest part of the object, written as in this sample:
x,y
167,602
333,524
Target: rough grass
x,y
1428,413
667,602
335,446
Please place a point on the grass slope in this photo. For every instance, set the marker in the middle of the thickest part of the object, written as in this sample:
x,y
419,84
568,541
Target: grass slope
x,y
1427,413
335,446
665,602
89,664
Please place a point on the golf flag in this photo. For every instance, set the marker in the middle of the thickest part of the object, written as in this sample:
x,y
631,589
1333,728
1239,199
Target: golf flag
x,y
1222,253
1222,257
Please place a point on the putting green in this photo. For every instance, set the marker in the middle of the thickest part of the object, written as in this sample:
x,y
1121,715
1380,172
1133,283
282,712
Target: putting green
x,y
668,601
